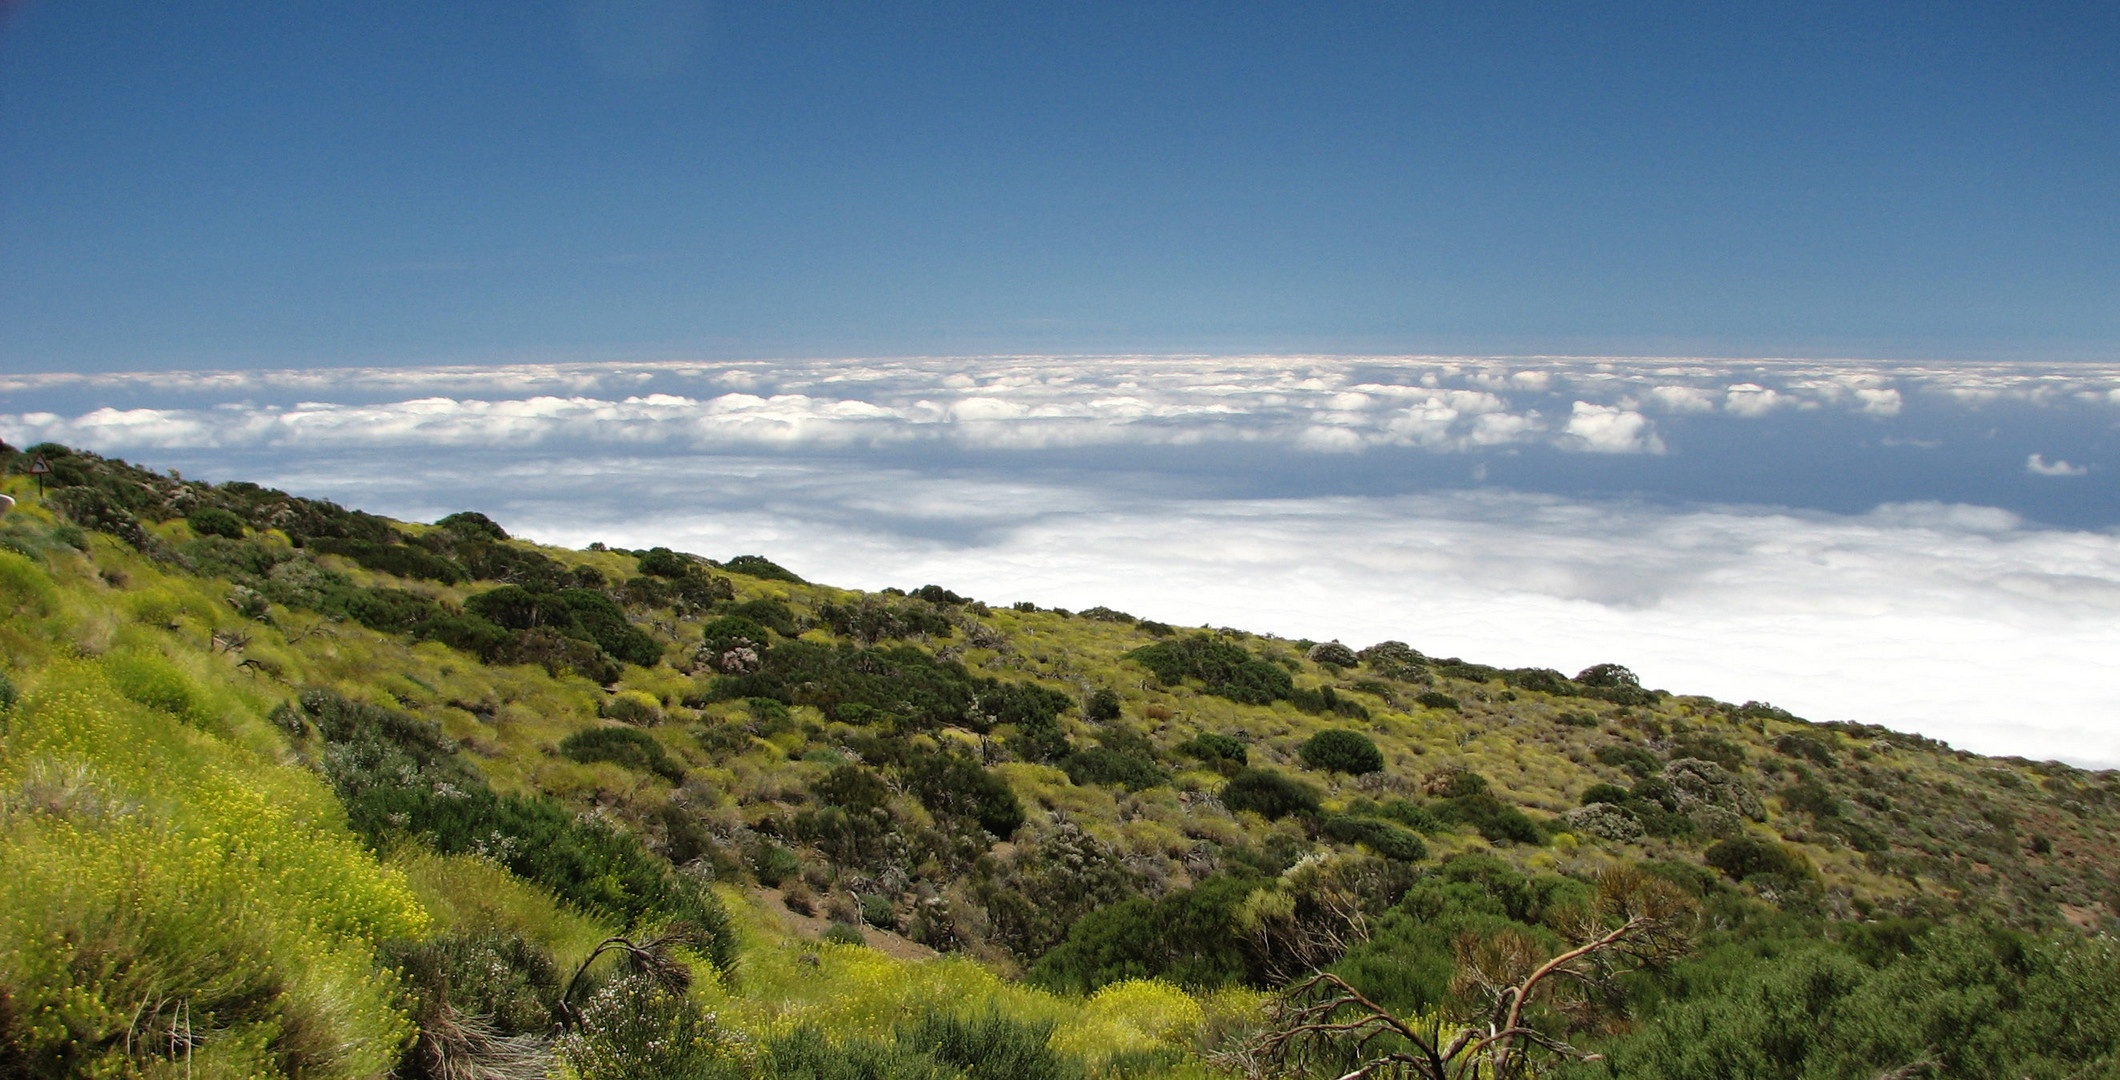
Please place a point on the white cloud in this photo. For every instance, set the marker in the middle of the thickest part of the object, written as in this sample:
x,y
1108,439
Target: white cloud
x,y
1879,402
1752,399
2038,465
1682,399
1608,429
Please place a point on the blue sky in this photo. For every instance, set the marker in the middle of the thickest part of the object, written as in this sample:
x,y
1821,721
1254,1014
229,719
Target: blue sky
x,y
248,184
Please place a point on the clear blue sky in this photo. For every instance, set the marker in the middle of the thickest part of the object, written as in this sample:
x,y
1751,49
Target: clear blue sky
x,y
286,184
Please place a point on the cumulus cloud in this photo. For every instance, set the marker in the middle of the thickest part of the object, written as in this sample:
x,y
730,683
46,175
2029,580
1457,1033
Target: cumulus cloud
x,y
2038,465
1608,429
1752,399
1682,399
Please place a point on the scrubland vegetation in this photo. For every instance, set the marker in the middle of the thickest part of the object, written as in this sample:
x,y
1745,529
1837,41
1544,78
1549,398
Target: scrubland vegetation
x,y
293,790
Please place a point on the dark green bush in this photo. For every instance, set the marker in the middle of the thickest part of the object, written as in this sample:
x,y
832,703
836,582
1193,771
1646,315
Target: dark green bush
x,y
664,563
1746,856
1436,699
773,863
758,566
1607,676
214,521
403,560
952,786
769,613
1269,794
1390,840
1208,746
1188,937
869,620
473,525
630,747
1408,813
1228,670
1494,819
1103,765
1340,750
1541,680
1632,758
1806,747
1606,793
1102,706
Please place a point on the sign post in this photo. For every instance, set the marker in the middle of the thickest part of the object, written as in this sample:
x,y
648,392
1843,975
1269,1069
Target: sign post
x,y
40,469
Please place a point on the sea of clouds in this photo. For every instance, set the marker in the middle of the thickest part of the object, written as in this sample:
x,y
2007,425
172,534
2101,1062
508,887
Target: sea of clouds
x,y
1929,547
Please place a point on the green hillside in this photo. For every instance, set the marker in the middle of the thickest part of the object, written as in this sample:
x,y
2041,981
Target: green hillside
x,y
293,790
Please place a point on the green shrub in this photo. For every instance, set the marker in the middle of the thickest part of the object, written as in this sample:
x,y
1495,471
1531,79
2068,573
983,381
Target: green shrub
x,y
877,912
1228,670
1383,837
1492,818
1208,746
1102,706
806,1054
1805,747
1410,814
769,613
1436,699
839,933
509,982
1747,856
1189,937
403,560
214,521
1340,750
629,747
400,779
758,566
773,864
636,1027
1632,758
150,679
1606,793
990,1046
1103,765
664,563
1269,794
951,786
473,525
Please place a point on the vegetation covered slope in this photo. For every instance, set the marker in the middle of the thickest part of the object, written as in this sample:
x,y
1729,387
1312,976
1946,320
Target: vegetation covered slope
x,y
297,790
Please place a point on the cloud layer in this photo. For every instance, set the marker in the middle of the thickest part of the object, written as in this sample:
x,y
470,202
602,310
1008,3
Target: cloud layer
x,y
1316,405
1126,481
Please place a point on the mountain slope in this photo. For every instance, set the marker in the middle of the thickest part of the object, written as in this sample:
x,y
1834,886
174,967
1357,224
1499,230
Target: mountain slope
x,y
1079,797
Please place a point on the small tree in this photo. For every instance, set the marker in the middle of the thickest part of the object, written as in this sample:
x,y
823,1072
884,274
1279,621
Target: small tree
x,y
1633,921
1340,750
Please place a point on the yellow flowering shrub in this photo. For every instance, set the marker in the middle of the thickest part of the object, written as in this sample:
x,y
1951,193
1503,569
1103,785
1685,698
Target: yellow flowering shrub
x,y
170,896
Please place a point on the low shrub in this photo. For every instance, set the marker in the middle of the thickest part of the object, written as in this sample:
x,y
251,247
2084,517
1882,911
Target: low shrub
x,y
1383,837
1269,794
1227,670
1492,818
629,747
1208,746
1340,750
214,521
